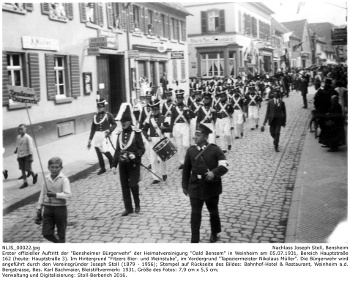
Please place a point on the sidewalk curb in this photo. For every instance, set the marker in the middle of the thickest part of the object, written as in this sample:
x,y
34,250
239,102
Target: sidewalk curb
x,y
293,216
34,197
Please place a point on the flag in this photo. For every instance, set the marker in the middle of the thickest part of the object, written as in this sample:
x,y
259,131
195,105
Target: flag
x,y
300,5
286,36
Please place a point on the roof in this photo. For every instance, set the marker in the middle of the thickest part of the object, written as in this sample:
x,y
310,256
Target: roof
x,y
278,26
176,6
323,30
296,26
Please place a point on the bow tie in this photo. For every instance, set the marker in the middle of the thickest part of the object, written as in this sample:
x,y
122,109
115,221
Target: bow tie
x,y
201,148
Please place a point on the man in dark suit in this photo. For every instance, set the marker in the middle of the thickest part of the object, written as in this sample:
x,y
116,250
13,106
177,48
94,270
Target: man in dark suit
x,y
205,164
304,86
164,83
277,116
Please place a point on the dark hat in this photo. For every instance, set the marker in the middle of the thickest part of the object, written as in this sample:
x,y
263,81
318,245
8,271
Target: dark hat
x,y
155,104
328,81
169,91
204,129
101,102
126,116
179,93
238,77
198,92
207,95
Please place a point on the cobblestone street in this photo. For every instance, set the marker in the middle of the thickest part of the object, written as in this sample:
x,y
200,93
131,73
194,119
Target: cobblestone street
x,y
254,206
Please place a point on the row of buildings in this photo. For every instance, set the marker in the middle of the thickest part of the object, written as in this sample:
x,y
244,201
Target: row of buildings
x,y
71,52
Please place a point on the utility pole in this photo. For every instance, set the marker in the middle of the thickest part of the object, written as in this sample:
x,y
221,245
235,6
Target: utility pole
x,y
126,6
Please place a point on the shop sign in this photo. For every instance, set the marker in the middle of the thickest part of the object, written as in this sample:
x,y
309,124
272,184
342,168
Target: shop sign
x,y
177,55
133,54
103,42
22,94
260,45
214,39
193,64
36,43
93,51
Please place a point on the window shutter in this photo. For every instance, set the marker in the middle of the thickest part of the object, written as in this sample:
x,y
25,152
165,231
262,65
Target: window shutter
x,y
34,75
74,75
161,26
82,12
183,70
146,20
5,80
109,13
239,22
204,19
183,31
155,24
50,76
69,10
100,14
249,25
29,7
141,19
222,20
45,8
123,16
168,27
131,18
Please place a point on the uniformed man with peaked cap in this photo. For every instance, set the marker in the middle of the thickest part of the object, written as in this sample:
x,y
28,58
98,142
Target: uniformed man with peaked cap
x,y
204,166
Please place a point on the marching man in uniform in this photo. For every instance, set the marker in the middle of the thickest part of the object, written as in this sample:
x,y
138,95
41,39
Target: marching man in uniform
x,y
204,166
223,113
155,126
253,101
128,153
103,125
194,108
238,114
207,116
167,108
180,124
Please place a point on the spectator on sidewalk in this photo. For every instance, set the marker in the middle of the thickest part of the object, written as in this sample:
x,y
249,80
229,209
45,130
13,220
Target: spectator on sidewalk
x,y
334,133
25,151
164,83
53,199
304,89
342,95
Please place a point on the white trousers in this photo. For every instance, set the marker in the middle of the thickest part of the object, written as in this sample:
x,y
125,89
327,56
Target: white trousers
x,y
223,127
238,122
193,129
181,133
158,166
253,114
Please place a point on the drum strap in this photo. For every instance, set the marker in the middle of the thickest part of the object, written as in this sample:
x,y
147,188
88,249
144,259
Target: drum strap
x,y
196,106
155,126
192,100
207,114
181,115
126,146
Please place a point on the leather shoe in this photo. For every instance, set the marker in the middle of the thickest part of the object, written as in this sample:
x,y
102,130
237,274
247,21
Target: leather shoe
x,y
165,177
155,181
6,174
149,167
181,166
100,172
35,178
25,184
276,149
126,212
137,209
213,238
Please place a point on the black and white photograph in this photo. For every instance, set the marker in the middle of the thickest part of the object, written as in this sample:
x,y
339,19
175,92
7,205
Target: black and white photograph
x,y
175,122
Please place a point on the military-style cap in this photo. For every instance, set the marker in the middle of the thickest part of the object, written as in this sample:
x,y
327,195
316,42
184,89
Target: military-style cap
x,y
179,93
238,77
169,92
155,104
204,129
101,102
207,96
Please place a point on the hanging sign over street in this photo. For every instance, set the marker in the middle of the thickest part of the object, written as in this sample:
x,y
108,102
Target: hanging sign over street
x,y
93,51
22,94
177,55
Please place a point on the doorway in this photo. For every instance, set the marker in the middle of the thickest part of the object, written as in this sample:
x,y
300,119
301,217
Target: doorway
x,y
110,73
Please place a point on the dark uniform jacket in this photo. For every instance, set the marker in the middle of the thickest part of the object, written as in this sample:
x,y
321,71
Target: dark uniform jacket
x,y
253,101
144,115
108,123
221,108
174,114
137,147
194,109
195,168
159,121
165,111
276,111
202,115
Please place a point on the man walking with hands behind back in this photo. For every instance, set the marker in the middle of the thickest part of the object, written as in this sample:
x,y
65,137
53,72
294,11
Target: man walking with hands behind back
x,y
277,116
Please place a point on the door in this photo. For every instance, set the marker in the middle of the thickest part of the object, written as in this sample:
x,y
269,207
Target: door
x,y
152,74
103,79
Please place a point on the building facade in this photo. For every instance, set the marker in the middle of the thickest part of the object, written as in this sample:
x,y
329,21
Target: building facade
x,y
229,39
70,52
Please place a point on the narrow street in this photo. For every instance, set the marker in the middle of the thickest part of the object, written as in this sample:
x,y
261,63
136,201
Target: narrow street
x,y
254,206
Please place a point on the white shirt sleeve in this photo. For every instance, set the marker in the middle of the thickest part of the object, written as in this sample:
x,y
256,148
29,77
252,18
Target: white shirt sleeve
x,y
41,197
66,193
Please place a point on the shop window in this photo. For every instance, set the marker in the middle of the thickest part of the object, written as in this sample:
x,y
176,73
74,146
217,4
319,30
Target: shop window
x,y
142,69
15,69
212,64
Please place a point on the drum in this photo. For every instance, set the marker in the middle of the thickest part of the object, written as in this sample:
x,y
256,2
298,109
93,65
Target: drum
x,y
164,149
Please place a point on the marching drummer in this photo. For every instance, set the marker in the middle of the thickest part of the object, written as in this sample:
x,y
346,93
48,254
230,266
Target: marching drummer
x,y
207,116
180,124
156,128
167,107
